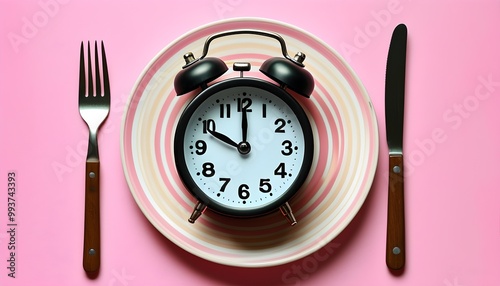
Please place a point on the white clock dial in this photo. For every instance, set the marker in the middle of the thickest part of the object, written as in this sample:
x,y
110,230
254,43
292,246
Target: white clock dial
x,y
243,163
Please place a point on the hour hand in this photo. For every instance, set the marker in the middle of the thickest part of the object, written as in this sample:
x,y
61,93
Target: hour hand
x,y
221,136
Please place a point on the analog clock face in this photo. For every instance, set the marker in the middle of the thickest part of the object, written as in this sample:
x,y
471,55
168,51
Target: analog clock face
x,y
243,147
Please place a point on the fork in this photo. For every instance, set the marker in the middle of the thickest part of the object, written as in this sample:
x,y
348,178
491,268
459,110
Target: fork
x,y
94,109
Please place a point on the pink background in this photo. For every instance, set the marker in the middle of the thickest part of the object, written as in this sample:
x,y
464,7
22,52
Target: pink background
x,y
451,141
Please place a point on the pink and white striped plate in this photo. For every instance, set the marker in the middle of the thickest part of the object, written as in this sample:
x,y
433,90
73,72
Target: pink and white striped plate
x,y
345,159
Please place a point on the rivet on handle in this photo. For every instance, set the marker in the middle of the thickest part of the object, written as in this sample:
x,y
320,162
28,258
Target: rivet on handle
x,y
396,250
396,169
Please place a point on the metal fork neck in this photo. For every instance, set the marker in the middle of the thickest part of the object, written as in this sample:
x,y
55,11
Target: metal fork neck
x,y
92,152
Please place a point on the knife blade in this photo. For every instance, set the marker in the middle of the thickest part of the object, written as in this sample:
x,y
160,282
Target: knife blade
x,y
394,115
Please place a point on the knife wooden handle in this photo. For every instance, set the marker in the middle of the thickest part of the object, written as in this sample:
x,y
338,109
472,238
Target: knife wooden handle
x,y
395,249
92,237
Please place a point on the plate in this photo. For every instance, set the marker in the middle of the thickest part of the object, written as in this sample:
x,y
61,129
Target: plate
x,y
345,159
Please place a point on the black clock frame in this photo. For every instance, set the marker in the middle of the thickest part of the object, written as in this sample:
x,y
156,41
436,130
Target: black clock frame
x,y
186,177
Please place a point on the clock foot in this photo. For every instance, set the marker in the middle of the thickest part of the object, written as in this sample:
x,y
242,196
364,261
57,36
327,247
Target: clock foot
x,y
286,210
197,212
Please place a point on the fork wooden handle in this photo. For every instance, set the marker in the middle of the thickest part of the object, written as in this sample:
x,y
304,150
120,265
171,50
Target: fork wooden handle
x,y
395,248
92,237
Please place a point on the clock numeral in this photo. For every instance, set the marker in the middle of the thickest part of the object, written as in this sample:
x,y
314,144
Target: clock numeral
x,y
208,169
244,104
264,110
280,123
208,125
225,110
288,148
243,192
265,185
224,185
201,147
280,170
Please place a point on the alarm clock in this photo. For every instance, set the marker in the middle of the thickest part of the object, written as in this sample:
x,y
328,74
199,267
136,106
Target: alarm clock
x,y
243,146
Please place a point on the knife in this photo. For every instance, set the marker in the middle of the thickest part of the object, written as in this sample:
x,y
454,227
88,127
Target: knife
x,y
394,114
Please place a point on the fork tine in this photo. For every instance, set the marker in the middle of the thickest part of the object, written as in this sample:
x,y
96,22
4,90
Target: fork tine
x,y
97,73
82,73
90,91
105,75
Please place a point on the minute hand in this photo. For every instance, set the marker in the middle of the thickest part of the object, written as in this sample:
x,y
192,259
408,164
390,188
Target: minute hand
x,y
244,125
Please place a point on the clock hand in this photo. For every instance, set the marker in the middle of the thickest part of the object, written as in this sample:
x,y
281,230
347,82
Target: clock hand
x,y
222,137
244,125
